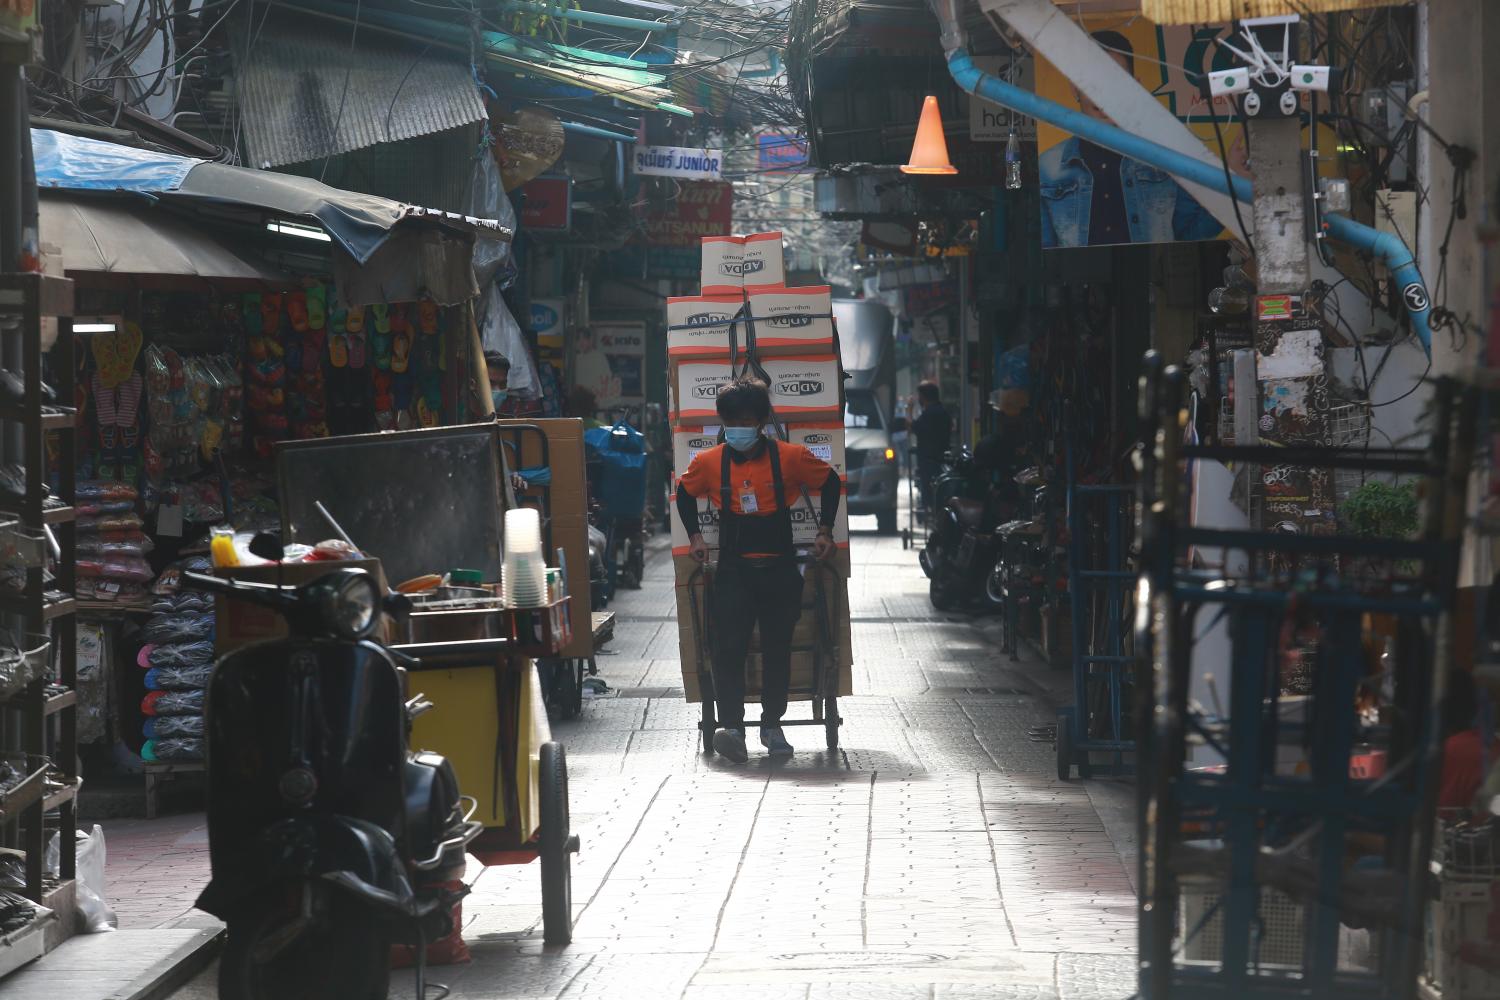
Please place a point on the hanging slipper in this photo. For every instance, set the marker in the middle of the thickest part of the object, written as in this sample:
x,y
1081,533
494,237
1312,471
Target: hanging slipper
x,y
258,350
427,312
296,310
317,307
382,314
270,312
400,351
254,324
355,321
312,350
338,340
294,345
357,349
399,319
380,339
426,415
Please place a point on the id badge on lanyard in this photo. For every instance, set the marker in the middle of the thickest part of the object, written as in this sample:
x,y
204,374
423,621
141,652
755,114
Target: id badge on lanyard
x,y
748,503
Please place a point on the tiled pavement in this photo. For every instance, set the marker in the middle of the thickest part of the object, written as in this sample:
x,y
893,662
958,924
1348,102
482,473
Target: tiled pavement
x,y
934,856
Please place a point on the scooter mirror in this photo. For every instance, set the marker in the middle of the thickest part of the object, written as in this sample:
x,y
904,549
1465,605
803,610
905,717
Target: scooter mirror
x,y
267,545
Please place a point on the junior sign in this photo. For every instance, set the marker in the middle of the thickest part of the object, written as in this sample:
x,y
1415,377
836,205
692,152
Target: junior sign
x,y
679,162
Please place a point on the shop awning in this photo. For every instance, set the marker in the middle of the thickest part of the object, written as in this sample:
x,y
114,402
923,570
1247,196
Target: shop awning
x,y
1218,11
306,95
111,236
416,247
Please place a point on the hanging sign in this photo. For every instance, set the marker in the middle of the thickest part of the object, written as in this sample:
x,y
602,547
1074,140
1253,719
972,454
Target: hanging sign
x,y
677,161
548,204
547,322
699,209
781,153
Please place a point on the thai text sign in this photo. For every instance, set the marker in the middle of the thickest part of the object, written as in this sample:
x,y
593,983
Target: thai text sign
x,y
677,161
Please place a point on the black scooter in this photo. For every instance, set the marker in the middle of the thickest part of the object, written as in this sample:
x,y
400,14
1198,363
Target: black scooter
x,y
330,840
961,542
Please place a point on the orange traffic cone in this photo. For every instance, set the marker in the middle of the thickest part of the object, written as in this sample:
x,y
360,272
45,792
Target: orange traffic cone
x,y
929,154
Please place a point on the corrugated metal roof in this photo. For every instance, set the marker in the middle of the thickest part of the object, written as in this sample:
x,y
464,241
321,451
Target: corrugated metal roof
x,y
292,85
1211,11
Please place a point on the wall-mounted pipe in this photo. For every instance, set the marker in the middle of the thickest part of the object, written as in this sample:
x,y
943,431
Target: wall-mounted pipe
x,y
588,16
1386,247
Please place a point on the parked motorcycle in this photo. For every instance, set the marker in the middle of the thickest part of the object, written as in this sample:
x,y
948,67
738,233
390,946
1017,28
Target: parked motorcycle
x,y
329,838
961,543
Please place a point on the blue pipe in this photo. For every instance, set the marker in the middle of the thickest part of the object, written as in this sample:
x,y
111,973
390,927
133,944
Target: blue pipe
x,y
1388,248
588,16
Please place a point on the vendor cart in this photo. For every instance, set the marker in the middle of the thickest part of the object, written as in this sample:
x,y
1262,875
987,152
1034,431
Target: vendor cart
x,y
477,657
1266,835
818,660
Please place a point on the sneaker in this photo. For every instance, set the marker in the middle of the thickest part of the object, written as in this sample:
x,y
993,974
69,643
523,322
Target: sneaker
x,y
730,744
774,740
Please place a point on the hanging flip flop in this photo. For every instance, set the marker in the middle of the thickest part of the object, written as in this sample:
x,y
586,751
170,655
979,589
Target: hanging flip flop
x,y
294,346
382,314
312,350
317,307
400,351
357,350
338,350
296,311
355,321
254,324
270,312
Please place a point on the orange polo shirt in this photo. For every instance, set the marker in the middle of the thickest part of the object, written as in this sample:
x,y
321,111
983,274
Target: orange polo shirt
x,y
800,469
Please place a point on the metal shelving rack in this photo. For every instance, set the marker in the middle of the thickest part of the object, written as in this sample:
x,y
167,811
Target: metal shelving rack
x,y
39,724
1263,836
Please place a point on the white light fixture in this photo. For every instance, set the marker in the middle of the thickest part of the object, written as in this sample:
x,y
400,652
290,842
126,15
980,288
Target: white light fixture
x,y
286,228
98,324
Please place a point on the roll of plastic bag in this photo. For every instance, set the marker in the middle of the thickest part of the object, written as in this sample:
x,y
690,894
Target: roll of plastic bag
x,y
167,750
161,703
177,678
174,727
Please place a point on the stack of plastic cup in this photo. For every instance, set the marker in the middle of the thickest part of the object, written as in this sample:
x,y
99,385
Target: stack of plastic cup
x,y
524,575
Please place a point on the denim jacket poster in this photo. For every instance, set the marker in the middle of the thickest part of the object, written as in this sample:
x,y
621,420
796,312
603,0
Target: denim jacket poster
x,y
1147,204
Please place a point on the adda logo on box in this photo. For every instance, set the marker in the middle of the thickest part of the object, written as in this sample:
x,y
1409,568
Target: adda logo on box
x,y
799,387
818,439
707,319
698,444
706,392
790,321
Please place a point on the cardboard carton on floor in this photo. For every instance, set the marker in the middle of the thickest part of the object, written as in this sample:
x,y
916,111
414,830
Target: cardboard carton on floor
x,y
701,325
803,389
789,321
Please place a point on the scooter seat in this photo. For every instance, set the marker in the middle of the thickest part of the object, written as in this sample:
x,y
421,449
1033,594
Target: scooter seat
x,y
970,513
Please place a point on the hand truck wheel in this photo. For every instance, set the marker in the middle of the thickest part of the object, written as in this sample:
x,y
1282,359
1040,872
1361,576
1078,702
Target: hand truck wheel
x,y
557,845
831,722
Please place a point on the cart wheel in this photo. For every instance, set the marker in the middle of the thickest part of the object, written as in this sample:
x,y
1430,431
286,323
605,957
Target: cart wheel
x,y
557,847
906,538
831,722
1064,743
708,725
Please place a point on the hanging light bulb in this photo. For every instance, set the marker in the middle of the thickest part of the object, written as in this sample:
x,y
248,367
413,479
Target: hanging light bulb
x,y
1012,161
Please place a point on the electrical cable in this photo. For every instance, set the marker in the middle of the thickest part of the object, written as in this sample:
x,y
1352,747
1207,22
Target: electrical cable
x,y
333,135
1229,182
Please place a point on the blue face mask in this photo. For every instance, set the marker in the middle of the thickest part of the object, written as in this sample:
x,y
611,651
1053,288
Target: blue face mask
x,y
741,438
498,395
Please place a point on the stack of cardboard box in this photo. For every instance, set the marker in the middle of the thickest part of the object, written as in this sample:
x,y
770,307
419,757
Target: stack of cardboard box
x,y
745,309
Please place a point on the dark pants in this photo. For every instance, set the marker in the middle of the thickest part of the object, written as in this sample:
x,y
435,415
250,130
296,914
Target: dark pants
x,y
928,470
744,597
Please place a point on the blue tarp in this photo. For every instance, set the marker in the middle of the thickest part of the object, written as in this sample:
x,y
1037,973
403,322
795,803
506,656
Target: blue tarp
x,y
70,162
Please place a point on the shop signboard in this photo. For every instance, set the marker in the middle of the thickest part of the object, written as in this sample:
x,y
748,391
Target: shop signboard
x,y
700,208
681,162
548,204
547,322
989,122
781,153
611,362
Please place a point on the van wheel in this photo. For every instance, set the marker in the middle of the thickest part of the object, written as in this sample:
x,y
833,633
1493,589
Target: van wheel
x,y
885,522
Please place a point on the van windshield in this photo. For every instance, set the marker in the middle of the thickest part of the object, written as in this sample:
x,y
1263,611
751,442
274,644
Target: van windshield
x,y
861,410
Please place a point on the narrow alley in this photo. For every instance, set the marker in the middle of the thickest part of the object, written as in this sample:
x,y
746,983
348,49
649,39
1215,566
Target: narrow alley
x,y
935,855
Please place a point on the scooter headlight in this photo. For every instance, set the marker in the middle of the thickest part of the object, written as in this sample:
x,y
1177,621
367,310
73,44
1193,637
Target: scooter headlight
x,y
352,607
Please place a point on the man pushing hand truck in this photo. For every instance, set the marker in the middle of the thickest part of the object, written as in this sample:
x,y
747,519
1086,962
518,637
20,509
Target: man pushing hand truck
x,y
753,481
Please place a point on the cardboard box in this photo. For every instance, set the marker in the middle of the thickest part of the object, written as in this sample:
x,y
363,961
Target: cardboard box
x,y
804,530
568,507
761,263
690,592
824,439
700,325
806,389
239,623
722,269
789,321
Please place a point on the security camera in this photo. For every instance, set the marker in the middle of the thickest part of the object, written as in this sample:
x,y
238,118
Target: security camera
x,y
1310,78
1251,104
1228,81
